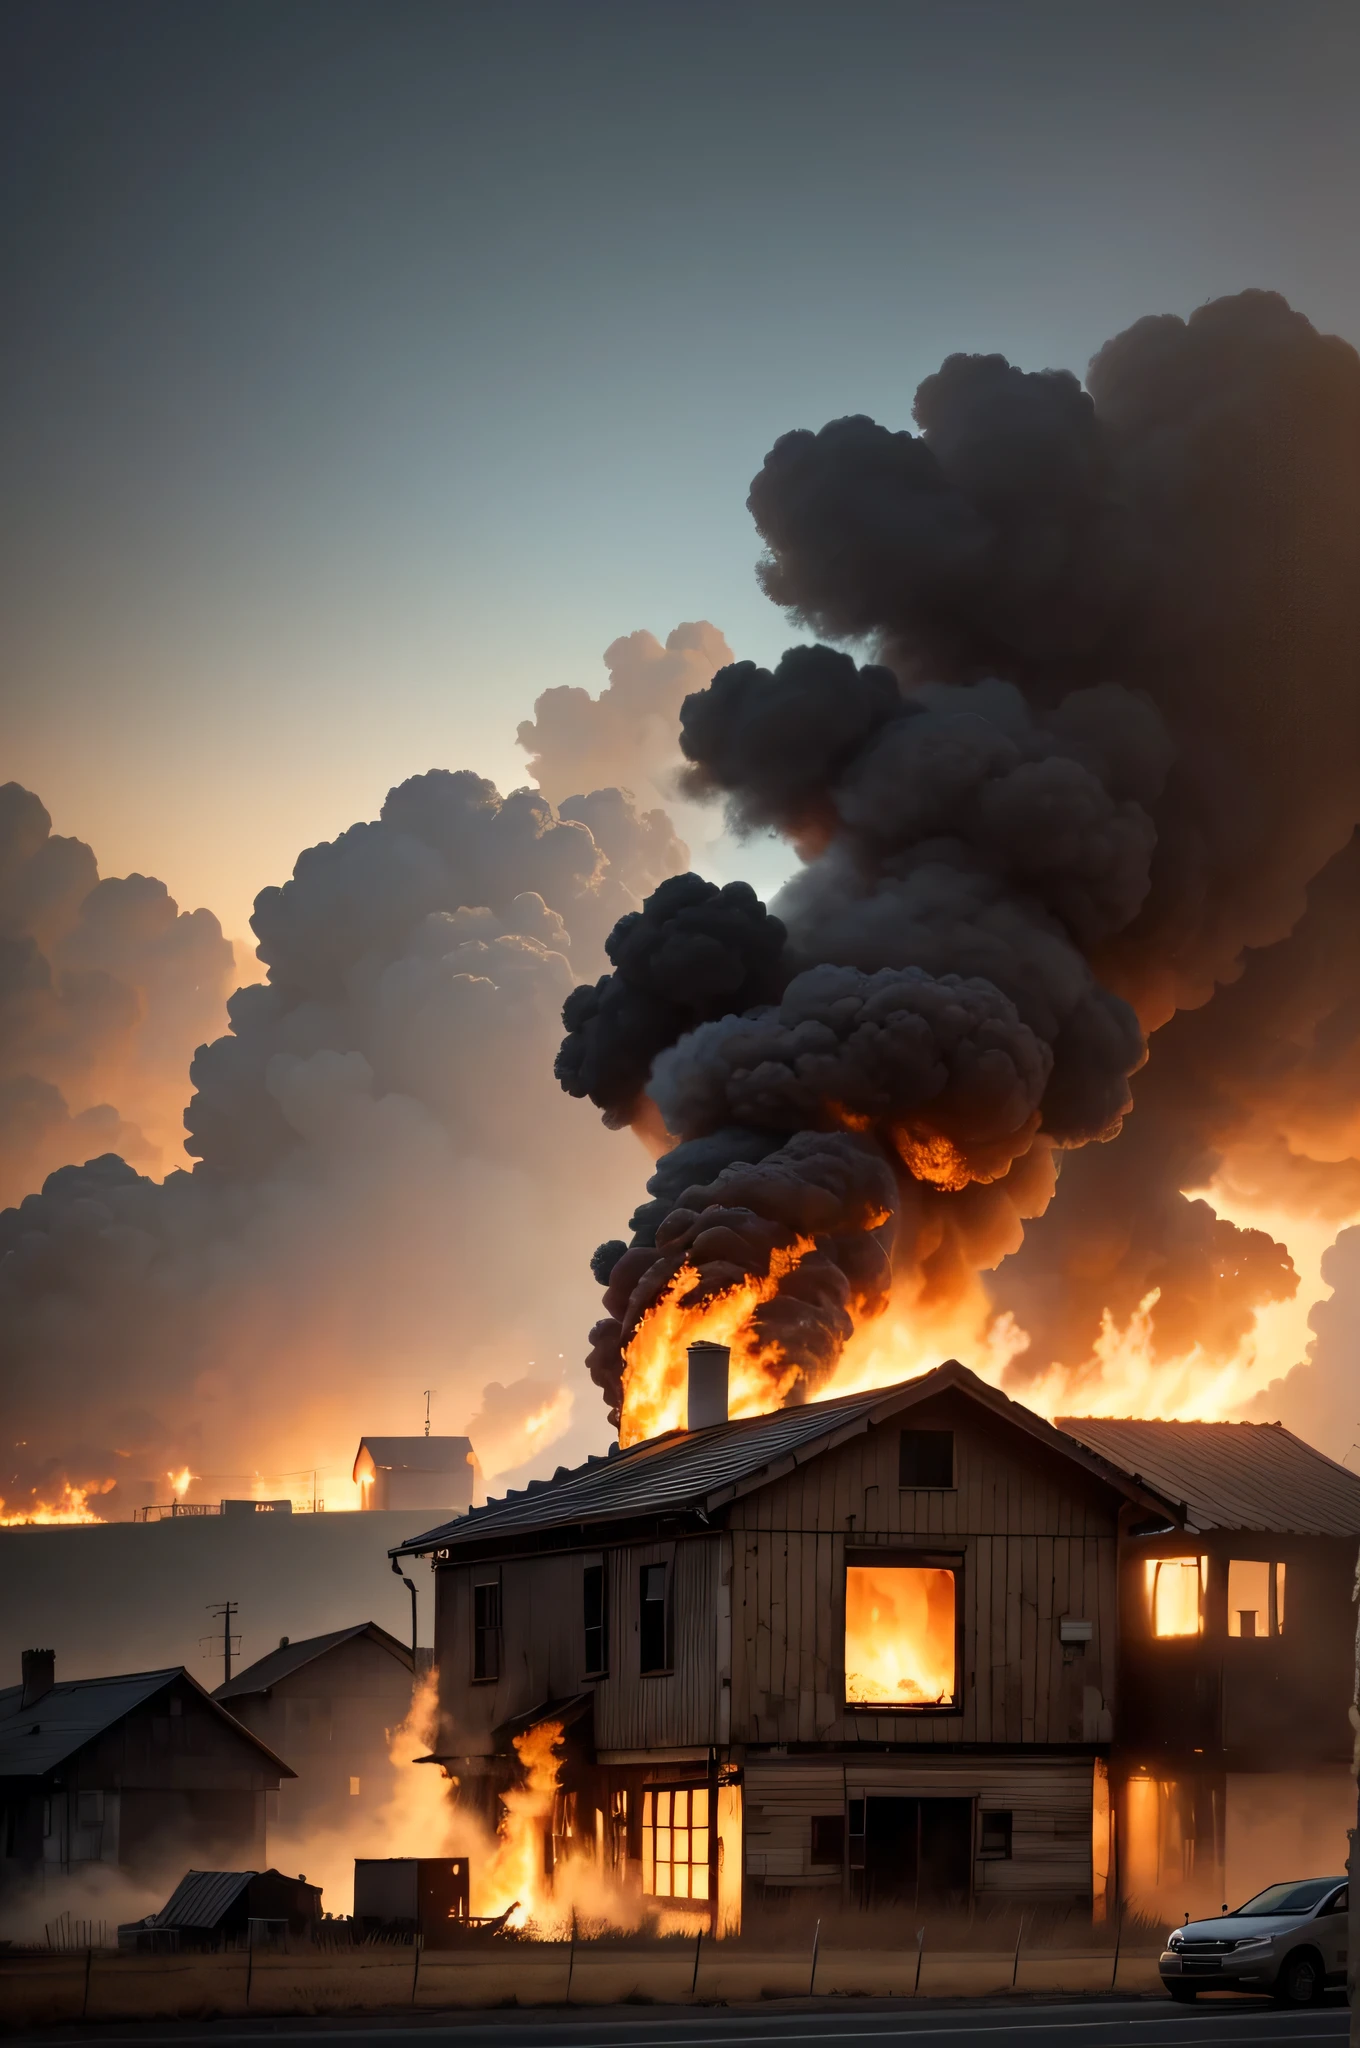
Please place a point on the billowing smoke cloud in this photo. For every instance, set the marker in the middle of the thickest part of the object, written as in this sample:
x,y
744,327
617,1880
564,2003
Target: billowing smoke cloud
x,y
106,987
389,1193
1110,740
625,738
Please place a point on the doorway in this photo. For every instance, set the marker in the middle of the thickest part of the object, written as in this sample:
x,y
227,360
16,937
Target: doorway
x,y
918,1852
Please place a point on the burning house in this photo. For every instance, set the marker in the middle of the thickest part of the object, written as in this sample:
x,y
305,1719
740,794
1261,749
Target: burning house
x,y
867,1647
914,1645
1236,1659
420,1472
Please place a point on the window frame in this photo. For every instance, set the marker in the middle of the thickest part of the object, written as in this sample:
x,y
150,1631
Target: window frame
x,y
487,1632
1276,1581
1151,1566
905,1485
1006,1816
666,1567
899,1558
600,1627
650,1826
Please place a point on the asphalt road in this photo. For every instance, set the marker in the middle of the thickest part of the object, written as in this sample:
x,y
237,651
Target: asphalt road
x,y
1114,2023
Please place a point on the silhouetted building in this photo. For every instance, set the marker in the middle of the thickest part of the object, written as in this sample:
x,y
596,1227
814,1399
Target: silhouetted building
x,y
143,1772
327,1703
225,1909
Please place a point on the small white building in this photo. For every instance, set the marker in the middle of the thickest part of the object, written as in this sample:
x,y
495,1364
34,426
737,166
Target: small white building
x,y
419,1472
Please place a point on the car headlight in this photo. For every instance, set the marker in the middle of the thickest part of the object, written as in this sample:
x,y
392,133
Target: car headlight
x,y
1175,1941
1253,1941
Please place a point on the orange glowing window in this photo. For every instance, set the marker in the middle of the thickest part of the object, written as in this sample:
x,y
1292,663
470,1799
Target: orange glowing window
x,y
900,1635
1175,1589
1255,1598
675,1841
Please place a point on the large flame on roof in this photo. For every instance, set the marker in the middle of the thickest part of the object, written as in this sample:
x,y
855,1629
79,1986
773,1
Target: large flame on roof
x,y
655,1362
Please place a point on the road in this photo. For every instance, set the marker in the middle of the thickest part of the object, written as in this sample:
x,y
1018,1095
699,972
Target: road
x,y
1113,2023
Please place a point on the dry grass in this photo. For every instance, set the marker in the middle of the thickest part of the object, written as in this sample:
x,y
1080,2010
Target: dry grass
x,y
41,1989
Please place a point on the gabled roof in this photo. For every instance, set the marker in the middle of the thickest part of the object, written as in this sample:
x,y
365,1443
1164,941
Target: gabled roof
x,y
1231,1475
291,1657
704,1469
415,1453
35,1739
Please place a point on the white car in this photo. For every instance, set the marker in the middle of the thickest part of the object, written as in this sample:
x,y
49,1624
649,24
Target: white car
x,y
1289,1940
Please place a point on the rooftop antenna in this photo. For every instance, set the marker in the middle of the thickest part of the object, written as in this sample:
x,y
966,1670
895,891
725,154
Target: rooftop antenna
x,y
427,1392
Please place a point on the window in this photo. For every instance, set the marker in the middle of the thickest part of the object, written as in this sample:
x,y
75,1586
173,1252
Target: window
x,y
994,1837
597,1637
675,1841
354,1788
653,1632
855,1833
1175,1587
89,1809
486,1629
926,1458
828,1838
900,1635
1255,1598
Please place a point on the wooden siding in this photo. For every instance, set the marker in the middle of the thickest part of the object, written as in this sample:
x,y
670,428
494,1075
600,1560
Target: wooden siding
x,y
1049,1801
1036,1539
543,1648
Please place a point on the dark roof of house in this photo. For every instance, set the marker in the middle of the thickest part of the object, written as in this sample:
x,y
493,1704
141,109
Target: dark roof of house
x,y
35,1739
291,1657
415,1453
1231,1475
706,1468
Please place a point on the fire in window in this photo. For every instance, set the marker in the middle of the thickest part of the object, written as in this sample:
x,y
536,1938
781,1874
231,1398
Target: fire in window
x,y
900,1635
675,1841
1255,1598
1175,1589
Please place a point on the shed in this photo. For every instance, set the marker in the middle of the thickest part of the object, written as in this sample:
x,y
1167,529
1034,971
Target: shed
x,y
426,1473
213,1908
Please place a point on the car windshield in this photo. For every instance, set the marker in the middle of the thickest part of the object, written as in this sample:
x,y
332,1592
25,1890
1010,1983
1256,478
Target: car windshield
x,y
1288,1898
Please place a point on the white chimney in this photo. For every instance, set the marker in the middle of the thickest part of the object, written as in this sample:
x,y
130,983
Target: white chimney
x,y
707,1385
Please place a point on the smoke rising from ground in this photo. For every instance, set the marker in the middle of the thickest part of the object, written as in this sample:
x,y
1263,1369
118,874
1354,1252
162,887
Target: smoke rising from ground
x,y
388,1192
106,987
1109,740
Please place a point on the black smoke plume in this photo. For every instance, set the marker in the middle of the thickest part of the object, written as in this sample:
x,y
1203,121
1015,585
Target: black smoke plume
x,y
1109,737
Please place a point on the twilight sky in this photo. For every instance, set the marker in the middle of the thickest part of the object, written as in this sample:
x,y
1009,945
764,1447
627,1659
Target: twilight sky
x,y
371,365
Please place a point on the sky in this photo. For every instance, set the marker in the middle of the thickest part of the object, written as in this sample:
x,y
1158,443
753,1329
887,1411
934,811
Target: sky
x,y
370,366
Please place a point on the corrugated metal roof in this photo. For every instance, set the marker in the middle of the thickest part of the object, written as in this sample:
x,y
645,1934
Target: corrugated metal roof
x,y
34,1740
281,1663
703,1468
203,1897
1231,1475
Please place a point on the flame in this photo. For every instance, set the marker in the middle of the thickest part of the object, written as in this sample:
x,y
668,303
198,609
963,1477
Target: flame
x,y
899,1635
72,1506
654,1377
930,1156
515,1873
179,1482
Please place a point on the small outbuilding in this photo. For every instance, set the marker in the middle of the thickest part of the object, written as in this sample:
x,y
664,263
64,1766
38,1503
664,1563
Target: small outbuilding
x,y
226,1909
420,1472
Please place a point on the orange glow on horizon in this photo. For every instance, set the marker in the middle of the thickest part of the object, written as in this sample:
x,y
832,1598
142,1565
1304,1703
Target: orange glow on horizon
x,y
72,1506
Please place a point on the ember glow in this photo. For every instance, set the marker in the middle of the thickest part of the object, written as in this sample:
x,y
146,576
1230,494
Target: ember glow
x,y
72,1505
900,1636
654,1379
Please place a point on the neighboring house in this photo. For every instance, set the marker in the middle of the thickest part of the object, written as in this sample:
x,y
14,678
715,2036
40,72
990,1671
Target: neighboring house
x,y
1237,1667
863,1649
428,1473
144,1772
328,1704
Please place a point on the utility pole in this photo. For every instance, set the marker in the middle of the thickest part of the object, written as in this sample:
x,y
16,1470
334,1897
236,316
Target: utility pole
x,y
427,1392
226,1611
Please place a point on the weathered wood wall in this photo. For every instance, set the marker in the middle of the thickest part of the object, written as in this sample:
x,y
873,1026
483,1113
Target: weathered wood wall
x,y
1037,1540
